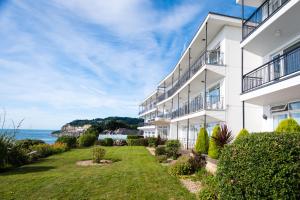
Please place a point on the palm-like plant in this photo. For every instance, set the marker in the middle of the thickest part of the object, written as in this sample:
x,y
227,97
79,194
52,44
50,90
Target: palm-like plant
x,y
223,137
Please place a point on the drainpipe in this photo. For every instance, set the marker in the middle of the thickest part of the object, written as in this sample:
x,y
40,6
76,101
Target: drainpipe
x,y
243,18
179,74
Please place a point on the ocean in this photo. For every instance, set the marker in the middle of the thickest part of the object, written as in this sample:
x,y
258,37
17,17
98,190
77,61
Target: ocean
x,y
44,135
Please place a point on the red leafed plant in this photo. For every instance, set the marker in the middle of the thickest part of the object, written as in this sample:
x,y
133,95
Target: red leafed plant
x,y
223,137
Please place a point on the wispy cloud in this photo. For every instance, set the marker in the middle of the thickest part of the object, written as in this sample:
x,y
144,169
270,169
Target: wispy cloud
x,y
62,60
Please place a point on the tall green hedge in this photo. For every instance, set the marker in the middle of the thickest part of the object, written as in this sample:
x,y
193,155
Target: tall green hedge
x,y
261,166
288,126
213,149
202,142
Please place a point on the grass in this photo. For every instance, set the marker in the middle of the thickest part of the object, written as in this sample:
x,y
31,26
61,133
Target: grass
x,y
136,176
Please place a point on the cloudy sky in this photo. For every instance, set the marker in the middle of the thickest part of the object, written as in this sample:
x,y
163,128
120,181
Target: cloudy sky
x,y
84,59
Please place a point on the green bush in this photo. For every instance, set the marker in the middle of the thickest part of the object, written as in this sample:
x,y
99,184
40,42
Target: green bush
x,y
209,185
172,148
98,154
86,140
6,143
160,151
137,142
213,149
43,150
108,142
181,167
242,133
59,147
162,158
70,141
288,126
261,166
18,156
28,143
202,142
134,136
152,142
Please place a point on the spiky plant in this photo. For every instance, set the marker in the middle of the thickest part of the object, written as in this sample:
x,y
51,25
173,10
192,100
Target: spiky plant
x,y
223,137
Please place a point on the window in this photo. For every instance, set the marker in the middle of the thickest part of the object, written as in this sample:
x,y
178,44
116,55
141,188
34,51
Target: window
x,y
290,110
277,119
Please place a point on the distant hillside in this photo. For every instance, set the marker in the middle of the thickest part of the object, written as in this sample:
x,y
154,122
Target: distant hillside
x,y
78,127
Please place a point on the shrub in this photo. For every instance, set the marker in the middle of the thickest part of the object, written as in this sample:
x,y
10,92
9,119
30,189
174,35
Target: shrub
x,y
197,160
134,136
172,148
18,156
209,185
181,167
43,150
98,154
108,141
242,133
120,143
162,158
28,143
288,126
59,147
70,141
202,142
213,149
6,143
137,142
152,141
160,151
87,140
260,166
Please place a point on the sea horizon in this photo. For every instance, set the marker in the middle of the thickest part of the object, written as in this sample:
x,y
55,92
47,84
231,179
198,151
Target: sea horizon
x,y
38,134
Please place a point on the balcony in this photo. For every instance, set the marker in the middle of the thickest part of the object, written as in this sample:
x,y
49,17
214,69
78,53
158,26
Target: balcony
x,y
147,108
278,69
197,104
261,15
207,58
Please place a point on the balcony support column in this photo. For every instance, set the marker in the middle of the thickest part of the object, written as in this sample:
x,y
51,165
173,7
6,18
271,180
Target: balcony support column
x,y
205,42
178,105
179,74
189,62
177,124
205,95
189,91
188,132
172,109
242,88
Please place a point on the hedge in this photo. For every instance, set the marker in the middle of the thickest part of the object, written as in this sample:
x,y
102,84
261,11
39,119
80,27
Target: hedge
x,y
261,166
288,126
134,136
137,142
242,133
70,141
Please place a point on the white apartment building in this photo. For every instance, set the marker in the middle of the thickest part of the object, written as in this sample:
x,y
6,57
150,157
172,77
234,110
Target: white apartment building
x,y
271,60
204,87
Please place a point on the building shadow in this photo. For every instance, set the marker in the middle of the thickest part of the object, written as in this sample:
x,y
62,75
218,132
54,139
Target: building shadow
x,y
24,170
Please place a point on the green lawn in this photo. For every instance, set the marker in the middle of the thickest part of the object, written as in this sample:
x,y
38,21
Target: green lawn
x,y
136,176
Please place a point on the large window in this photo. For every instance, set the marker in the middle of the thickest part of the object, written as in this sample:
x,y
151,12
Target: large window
x,y
291,110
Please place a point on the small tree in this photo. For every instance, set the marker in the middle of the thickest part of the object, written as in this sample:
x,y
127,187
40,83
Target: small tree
x,y
224,136
201,146
288,126
242,133
213,150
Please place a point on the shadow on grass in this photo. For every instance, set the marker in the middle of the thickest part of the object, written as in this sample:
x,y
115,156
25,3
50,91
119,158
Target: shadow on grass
x,y
24,170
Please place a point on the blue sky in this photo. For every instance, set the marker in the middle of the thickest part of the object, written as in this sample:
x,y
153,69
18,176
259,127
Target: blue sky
x,y
84,59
